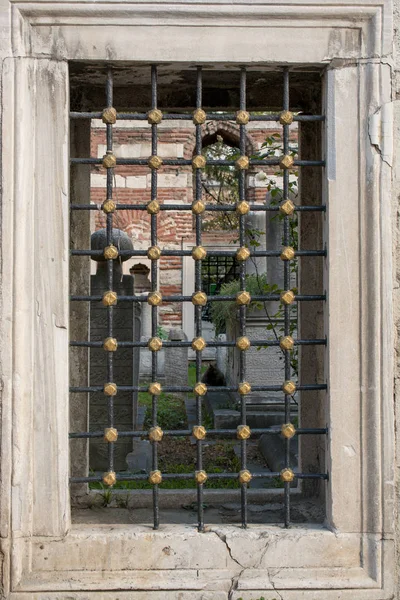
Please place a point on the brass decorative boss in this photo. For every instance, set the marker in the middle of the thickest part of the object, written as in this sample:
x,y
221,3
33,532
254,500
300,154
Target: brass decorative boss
x,y
287,343
108,206
288,430
201,476
199,432
198,207
155,344
109,115
242,253
242,208
200,389
243,343
199,116
242,117
109,478
110,298
288,253
287,297
154,253
243,298
153,207
155,388
199,253
199,161
110,389
287,475
155,162
156,434
286,162
199,344
110,344
155,477
287,207
110,434
109,160
154,116
154,299
242,163
289,387
244,388
243,432
110,252
286,117
199,299
245,476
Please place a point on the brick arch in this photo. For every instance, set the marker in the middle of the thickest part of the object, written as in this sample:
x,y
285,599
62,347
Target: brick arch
x,y
229,131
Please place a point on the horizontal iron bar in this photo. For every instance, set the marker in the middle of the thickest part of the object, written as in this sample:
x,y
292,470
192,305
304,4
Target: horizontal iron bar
x,y
187,344
259,253
185,388
218,298
182,476
188,432
209,207
130,116
176,162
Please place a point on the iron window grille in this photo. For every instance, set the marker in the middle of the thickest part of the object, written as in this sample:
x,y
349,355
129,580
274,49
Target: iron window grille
x,y
111,206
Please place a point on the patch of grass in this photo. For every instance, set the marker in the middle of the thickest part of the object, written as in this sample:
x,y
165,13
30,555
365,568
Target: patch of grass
x,y
179,456
171,412
170,484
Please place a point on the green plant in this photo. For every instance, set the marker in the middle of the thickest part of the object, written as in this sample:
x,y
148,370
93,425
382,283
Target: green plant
x,y
223,313
106,494
221,185
162,333
171,412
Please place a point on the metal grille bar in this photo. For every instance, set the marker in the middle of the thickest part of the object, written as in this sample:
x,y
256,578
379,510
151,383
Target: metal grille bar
x,y
210,432
184,116
154,253
180,162
208,207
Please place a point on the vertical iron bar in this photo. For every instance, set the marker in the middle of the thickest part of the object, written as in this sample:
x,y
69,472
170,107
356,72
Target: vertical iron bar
x,y
198,309
154,283
286,278
110,269
242,277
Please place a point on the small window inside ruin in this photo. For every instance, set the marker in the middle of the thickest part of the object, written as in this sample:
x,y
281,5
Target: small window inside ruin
x,y
207,405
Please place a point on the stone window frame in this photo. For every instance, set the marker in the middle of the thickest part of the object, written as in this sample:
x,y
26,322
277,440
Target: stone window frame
x,y
44,556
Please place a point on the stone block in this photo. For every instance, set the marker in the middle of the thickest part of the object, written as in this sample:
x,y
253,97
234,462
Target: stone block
x,y
146,360
221,354
140,459
226,418
273,448
125,360
218,400
264,418
176,361
136,182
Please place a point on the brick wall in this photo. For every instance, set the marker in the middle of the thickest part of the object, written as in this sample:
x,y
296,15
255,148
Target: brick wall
x,y
175,185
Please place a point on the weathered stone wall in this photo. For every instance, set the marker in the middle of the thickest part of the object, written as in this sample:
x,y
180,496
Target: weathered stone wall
x,y
52,560
396,261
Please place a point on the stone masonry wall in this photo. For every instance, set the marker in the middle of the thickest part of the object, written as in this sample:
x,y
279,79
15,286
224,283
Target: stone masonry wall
x,y
396,251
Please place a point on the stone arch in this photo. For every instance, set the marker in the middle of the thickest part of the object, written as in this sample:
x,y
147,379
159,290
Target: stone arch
x,y
228,130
